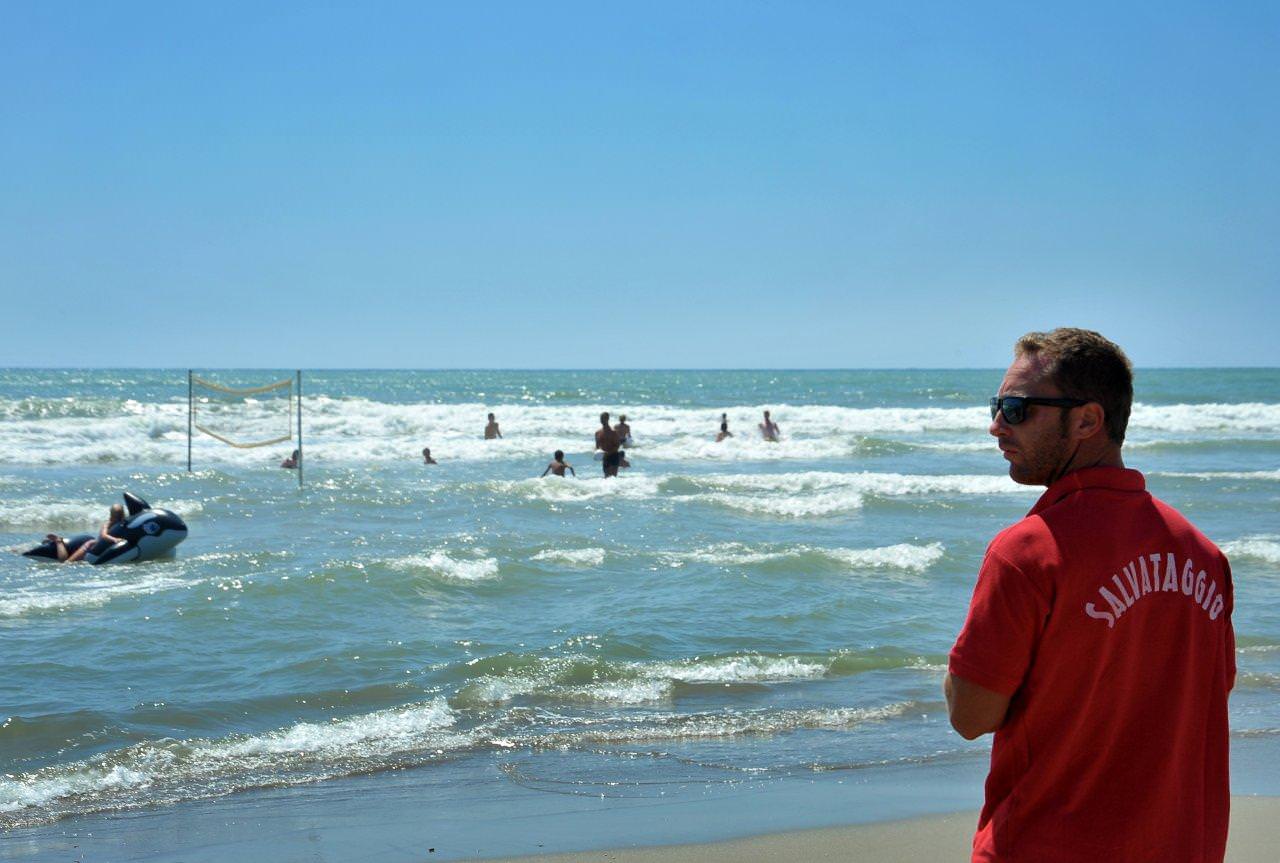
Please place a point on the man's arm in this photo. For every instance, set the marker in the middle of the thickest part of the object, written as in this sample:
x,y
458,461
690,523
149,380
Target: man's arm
x,y
974,710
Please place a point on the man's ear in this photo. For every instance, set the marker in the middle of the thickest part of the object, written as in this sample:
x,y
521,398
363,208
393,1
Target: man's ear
x,y
1091,420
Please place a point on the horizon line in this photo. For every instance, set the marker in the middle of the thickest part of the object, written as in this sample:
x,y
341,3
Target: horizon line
x,y
589,369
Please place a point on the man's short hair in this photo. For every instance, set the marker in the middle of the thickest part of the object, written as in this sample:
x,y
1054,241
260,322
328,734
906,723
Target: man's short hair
x,y
1085,365
604,417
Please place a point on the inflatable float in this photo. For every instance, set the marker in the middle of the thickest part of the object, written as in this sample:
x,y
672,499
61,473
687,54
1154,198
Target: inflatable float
x,y
144,534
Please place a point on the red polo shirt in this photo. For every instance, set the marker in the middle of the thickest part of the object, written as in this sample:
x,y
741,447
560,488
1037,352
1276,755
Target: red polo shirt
x,y
1106,617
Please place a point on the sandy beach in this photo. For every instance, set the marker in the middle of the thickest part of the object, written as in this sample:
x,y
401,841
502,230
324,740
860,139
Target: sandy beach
x,y
941,837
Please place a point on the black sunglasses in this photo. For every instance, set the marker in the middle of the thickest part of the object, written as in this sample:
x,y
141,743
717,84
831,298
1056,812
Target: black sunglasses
x,y
1014,408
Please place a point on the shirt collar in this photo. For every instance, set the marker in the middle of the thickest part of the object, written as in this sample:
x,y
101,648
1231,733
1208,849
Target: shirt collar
x,y
1112,478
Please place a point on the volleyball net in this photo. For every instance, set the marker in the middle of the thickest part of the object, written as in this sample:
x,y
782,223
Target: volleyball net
x,y
246,417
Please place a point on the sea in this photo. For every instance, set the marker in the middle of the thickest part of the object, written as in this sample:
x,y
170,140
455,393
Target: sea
x,y
723,621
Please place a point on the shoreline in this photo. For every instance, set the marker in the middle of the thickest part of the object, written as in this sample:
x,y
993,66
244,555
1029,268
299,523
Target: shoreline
x,y
470,810
937,837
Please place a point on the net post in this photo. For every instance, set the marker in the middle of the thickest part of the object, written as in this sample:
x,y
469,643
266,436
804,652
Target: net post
x,y
190,414
299,428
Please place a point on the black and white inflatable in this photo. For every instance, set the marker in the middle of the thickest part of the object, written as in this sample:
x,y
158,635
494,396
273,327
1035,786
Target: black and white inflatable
x,y
145,533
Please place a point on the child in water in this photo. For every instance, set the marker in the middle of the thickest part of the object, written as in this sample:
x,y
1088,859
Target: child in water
x,y
558,465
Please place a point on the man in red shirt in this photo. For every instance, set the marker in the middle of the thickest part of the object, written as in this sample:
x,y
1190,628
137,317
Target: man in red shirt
x,y
1098,645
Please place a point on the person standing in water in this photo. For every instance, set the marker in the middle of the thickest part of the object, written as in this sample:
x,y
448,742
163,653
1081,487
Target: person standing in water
x,y
623,430
607,441
491,431
558,465
724,432
426,456
769,429
291,463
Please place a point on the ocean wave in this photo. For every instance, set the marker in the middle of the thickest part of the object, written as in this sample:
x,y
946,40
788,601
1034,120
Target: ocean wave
x,y
903,556
170,770
93,593
570,678
84,516
721,725
444,565
1244,416
360,430
558,490
1264,548
1265,475
794,495
572,557
867,482
824,493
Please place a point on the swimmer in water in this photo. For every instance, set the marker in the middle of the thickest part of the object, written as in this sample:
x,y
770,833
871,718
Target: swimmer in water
x,y
491,430
623,431
292,461
769,429
558,465
608,442
426,456
724,432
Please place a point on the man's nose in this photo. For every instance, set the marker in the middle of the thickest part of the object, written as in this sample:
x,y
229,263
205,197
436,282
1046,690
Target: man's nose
x,y
998,427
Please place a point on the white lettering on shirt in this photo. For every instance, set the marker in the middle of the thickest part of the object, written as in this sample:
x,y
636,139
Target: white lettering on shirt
x,y
1120,594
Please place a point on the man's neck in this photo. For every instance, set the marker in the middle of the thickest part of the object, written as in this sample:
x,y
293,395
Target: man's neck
x,y
1108,456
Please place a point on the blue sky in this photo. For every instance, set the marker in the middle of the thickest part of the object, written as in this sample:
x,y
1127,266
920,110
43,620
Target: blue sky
x,y
703,184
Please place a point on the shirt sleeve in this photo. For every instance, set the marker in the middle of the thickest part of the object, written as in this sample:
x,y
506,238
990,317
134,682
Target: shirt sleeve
x,y
1006,616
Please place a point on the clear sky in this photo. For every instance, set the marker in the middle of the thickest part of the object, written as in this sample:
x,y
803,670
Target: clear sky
x,y
737,184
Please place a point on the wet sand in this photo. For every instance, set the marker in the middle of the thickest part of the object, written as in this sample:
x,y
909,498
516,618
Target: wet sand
x,y
934,838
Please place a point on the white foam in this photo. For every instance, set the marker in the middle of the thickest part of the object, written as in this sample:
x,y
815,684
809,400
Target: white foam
x,y
360,430
865,482
575,557
558,490
1265,475
72,516
823,493
904,556
499,689
1259,548
677,726
1245,416
815,504
444,565
382,731
623,693
635,682
371,735
741,669
84,594
18,792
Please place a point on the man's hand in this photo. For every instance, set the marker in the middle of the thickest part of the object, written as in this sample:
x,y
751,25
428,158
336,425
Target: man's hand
x,y
975,710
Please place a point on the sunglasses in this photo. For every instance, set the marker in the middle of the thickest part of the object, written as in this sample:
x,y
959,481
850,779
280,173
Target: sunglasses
x,y
1014,408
